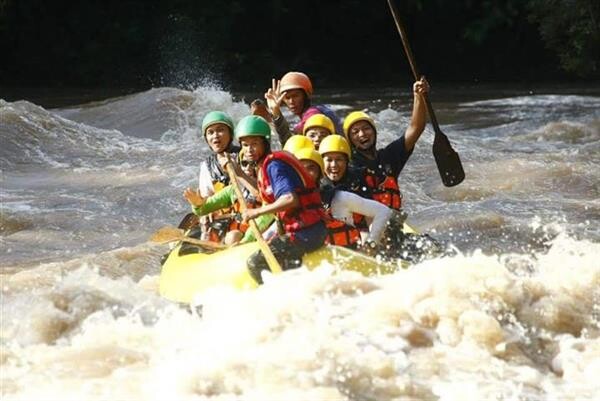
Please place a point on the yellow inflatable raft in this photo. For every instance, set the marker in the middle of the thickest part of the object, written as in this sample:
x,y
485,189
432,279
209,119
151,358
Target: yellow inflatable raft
x,y
182,277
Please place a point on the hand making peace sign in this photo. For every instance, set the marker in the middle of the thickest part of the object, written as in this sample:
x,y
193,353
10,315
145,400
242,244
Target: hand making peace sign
x,y
274,97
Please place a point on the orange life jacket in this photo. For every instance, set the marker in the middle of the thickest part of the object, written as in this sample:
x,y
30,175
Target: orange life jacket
x,y
385,191
251,202
338,232
311,209
342,234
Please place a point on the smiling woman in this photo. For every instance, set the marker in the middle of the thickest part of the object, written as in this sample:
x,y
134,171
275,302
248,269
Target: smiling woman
x,y
336,156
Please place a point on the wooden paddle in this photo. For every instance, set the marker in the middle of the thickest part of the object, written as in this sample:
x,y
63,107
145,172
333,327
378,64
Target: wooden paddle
x,y
170,234
189,220
264,247
447,160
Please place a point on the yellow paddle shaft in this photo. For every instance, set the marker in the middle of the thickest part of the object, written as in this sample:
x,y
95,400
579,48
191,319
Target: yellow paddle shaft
x,y
264,247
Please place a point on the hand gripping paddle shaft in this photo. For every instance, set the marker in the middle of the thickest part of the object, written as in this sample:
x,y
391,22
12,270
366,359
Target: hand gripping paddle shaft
x,y
264,247
446,158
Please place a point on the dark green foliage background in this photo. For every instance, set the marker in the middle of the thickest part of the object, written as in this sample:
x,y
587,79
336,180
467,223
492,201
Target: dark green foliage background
x,y
338,42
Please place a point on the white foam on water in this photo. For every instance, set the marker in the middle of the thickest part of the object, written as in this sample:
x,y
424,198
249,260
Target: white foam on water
x,y
465,327
538,101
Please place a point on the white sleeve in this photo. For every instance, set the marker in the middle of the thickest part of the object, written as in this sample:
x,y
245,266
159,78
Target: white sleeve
x,y
205,184
345,203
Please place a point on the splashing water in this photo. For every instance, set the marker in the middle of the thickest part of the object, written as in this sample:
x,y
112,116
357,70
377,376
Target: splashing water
x,y
514,315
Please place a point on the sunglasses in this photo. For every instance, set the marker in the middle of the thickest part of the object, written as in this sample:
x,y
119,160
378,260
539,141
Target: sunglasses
x,y
248,163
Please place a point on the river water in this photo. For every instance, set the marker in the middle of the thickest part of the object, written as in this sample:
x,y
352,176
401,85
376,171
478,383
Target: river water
x,y
515,315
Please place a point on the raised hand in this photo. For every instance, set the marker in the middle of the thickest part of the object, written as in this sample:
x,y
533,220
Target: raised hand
x,y
274,97
259,108
193,197
421,86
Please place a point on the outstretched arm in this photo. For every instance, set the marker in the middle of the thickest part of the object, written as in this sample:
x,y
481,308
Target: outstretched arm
x,y
419,115
376,212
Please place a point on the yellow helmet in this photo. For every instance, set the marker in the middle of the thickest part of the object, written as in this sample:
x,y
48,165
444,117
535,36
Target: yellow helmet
x,y
296,142
319,120
310,154
335,143
355,117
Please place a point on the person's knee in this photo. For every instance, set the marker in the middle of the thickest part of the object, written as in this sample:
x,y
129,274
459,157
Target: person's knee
x,y
233,237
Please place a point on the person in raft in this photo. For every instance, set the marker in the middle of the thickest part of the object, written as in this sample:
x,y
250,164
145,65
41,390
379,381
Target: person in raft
x,y
317,127
383,166
341,206
338,178
337,172
226,199
217,130
396,243
288,191
295,91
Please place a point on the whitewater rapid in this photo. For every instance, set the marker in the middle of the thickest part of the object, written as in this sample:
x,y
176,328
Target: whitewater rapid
x,y
515,315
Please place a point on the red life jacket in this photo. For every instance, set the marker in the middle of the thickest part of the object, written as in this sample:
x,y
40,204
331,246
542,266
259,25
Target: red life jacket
x,y
311,209
385,191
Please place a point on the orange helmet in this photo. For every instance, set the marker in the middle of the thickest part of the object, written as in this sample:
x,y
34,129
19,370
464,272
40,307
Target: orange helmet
x,y
296,80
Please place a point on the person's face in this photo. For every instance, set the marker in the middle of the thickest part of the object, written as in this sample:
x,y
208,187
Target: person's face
x,y
248,166
313,169
316,135
254,147
218,137
362,135
336,164
294,100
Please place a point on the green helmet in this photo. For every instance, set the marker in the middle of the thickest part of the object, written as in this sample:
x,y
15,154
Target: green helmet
x,y
215,117
253,126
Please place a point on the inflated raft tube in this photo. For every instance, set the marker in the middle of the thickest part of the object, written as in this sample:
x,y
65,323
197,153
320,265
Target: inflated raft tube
x,y
184,276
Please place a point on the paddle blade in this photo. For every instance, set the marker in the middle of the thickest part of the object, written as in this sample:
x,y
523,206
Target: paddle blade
x,y
190,220
447,160
170,234
167,234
